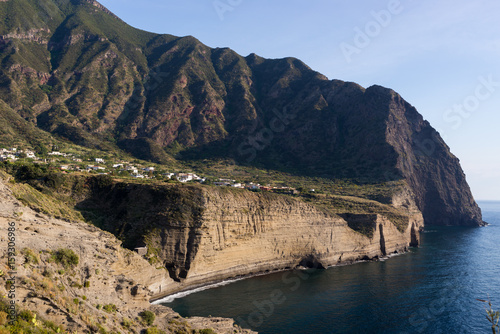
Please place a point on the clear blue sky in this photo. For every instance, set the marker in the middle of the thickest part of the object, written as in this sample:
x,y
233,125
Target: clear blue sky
x,y
442,56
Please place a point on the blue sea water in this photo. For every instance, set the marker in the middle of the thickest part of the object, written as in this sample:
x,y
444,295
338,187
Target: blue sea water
x,y
432,289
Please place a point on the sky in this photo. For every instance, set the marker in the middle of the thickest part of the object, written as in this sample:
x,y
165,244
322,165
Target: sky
x,y
442,56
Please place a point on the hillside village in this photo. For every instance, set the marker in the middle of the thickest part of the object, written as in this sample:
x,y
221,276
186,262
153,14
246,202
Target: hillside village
x,y
68,162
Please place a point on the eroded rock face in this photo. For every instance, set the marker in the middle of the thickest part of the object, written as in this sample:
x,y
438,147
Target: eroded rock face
x,y
208,234
280,238
433,173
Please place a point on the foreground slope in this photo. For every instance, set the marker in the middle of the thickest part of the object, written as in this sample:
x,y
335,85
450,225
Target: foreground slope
x,y
77,71
104,290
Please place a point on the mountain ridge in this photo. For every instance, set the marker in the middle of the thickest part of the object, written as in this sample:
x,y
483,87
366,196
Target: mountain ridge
x,y
81,73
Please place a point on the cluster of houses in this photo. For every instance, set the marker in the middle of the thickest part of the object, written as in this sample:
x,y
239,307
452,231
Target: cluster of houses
x,y
55,154
101,167
143,172
256,187
134,171
13,154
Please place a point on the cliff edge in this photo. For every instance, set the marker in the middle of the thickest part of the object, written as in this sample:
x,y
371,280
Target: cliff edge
x,y
204,234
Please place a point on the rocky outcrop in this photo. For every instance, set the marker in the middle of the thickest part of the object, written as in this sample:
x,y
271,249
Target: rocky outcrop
x,y
433,173
243,234
39,36
206,234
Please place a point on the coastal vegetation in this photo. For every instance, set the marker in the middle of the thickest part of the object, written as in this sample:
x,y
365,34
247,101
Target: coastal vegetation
x,y
492,316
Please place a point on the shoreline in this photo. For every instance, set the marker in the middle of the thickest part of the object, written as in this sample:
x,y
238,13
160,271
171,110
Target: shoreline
x,y
168,298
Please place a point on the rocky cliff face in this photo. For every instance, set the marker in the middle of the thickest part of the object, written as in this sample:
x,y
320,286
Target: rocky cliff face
x,y
245,234
208,234
100,83
431,170
75,298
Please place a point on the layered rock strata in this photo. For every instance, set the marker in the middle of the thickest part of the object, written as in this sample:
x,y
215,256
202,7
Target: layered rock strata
x,y
203,235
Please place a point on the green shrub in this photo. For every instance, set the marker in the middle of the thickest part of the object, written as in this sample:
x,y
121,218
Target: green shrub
x,y
100,181
29,256
26,315
110,308
154,330
28,172
66,257
207,331
47,89
54,180
148,317
86,284
47,273
76,285
51,325
126,323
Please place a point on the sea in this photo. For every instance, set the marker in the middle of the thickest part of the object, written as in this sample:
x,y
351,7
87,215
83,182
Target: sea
x,y
431,289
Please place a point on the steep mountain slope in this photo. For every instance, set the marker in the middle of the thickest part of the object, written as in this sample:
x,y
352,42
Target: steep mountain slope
x,y
75,70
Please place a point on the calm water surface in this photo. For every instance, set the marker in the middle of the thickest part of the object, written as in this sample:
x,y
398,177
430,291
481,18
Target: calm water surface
x,y
432,289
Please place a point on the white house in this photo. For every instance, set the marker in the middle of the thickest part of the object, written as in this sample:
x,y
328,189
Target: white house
x,y
90,167
186,177
99,160
30,154
253,186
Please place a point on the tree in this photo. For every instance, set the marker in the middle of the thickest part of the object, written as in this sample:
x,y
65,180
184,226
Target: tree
x,y
41,149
